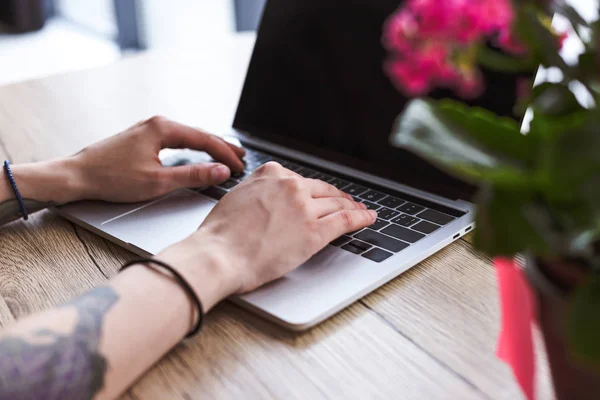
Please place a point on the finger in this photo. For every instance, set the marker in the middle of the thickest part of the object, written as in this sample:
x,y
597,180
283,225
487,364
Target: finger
x,y
196,175
319,189
330,205
180,136
344,221
240,152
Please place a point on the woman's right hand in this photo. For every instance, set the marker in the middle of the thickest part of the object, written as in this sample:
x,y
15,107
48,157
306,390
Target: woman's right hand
x,y
264,228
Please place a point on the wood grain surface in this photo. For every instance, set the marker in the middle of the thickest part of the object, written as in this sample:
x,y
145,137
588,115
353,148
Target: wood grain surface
x,y
429,334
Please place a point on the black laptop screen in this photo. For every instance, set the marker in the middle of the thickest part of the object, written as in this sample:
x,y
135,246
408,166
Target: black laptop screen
x,y
316,83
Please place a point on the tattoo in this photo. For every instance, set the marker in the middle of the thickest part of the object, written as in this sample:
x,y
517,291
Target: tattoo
x,y
10,211
65,366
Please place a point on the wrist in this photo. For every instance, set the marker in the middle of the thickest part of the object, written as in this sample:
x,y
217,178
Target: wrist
x,y
203,261
55,181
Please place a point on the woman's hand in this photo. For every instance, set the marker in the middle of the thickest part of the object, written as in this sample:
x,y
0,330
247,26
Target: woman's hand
x,y
268,225
126,167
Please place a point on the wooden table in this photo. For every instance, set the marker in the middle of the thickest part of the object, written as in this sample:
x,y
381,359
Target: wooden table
x,y
429,334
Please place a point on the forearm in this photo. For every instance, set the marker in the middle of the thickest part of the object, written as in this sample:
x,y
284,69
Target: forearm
x,y
100,343
41,185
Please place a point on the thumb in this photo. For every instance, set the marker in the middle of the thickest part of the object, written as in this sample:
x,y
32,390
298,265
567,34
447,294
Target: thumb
x,y
196,175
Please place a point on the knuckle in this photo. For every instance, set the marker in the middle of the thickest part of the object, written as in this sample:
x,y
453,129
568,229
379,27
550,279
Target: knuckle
x,y
157,123
269,168
292,184
339,203
346,218
302,206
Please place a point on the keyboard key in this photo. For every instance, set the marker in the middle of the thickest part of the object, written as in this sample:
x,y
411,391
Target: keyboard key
x,y
372,195
342,240
214,192
286,164
380,240
239,175
304,171
355,190
338,183
403,234
323,177
426,227
251,167
377,255
229,184
391,202
352,248
371,206
405,220
388,214
361,245
436,217
379,224
410,208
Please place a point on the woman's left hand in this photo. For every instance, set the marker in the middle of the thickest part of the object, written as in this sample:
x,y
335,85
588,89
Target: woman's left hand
x,y
126,167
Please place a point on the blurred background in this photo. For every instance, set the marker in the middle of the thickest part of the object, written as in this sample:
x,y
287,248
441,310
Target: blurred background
x,y
44,37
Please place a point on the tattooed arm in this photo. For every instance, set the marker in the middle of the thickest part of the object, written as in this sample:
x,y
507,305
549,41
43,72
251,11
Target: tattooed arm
x,y
97,345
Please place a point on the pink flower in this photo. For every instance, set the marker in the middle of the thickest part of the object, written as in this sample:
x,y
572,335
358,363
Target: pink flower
x,y
510,44
432,42
400,31
562,38
409,78
470,85
496,15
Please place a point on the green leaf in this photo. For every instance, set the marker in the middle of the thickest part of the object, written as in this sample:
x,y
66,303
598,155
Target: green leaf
x,y
496,61
551,127
559,140
503,228
554,99
589,70
539,39
468,139
583,323
577,146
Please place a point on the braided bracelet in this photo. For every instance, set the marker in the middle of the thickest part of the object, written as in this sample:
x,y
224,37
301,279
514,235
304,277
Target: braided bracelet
x,y
13,184
184,285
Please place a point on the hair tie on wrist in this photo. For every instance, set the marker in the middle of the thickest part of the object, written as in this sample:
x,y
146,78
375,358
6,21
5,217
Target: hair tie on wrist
x,y
184,285
13,184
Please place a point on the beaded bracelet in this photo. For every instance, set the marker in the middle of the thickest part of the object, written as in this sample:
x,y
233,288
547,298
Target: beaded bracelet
x,y
184,285
13,184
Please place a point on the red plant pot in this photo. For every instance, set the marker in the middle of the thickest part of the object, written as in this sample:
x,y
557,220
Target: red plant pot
x,y
553,285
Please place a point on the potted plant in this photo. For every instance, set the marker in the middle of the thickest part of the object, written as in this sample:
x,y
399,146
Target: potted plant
x,y
539,189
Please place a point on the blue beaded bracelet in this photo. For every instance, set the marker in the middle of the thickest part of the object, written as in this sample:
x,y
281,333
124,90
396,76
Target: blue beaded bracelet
x,y
11,179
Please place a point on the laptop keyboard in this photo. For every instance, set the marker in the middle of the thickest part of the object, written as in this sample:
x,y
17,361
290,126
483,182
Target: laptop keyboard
x,y
399,225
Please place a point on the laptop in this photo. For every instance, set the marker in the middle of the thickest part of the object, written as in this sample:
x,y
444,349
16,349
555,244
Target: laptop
x,y
316,100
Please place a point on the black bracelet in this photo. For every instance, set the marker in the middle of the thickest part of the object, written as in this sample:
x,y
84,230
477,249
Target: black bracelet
x,y
184,285
11,179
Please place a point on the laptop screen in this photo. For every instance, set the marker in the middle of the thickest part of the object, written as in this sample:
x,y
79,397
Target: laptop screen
x,y
316,84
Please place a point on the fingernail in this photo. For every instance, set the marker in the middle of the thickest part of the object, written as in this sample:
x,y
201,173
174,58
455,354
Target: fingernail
x,y
348,196
219,173
373,214
363,205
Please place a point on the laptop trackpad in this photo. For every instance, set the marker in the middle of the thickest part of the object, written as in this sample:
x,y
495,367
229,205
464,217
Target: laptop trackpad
x,y
161,223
